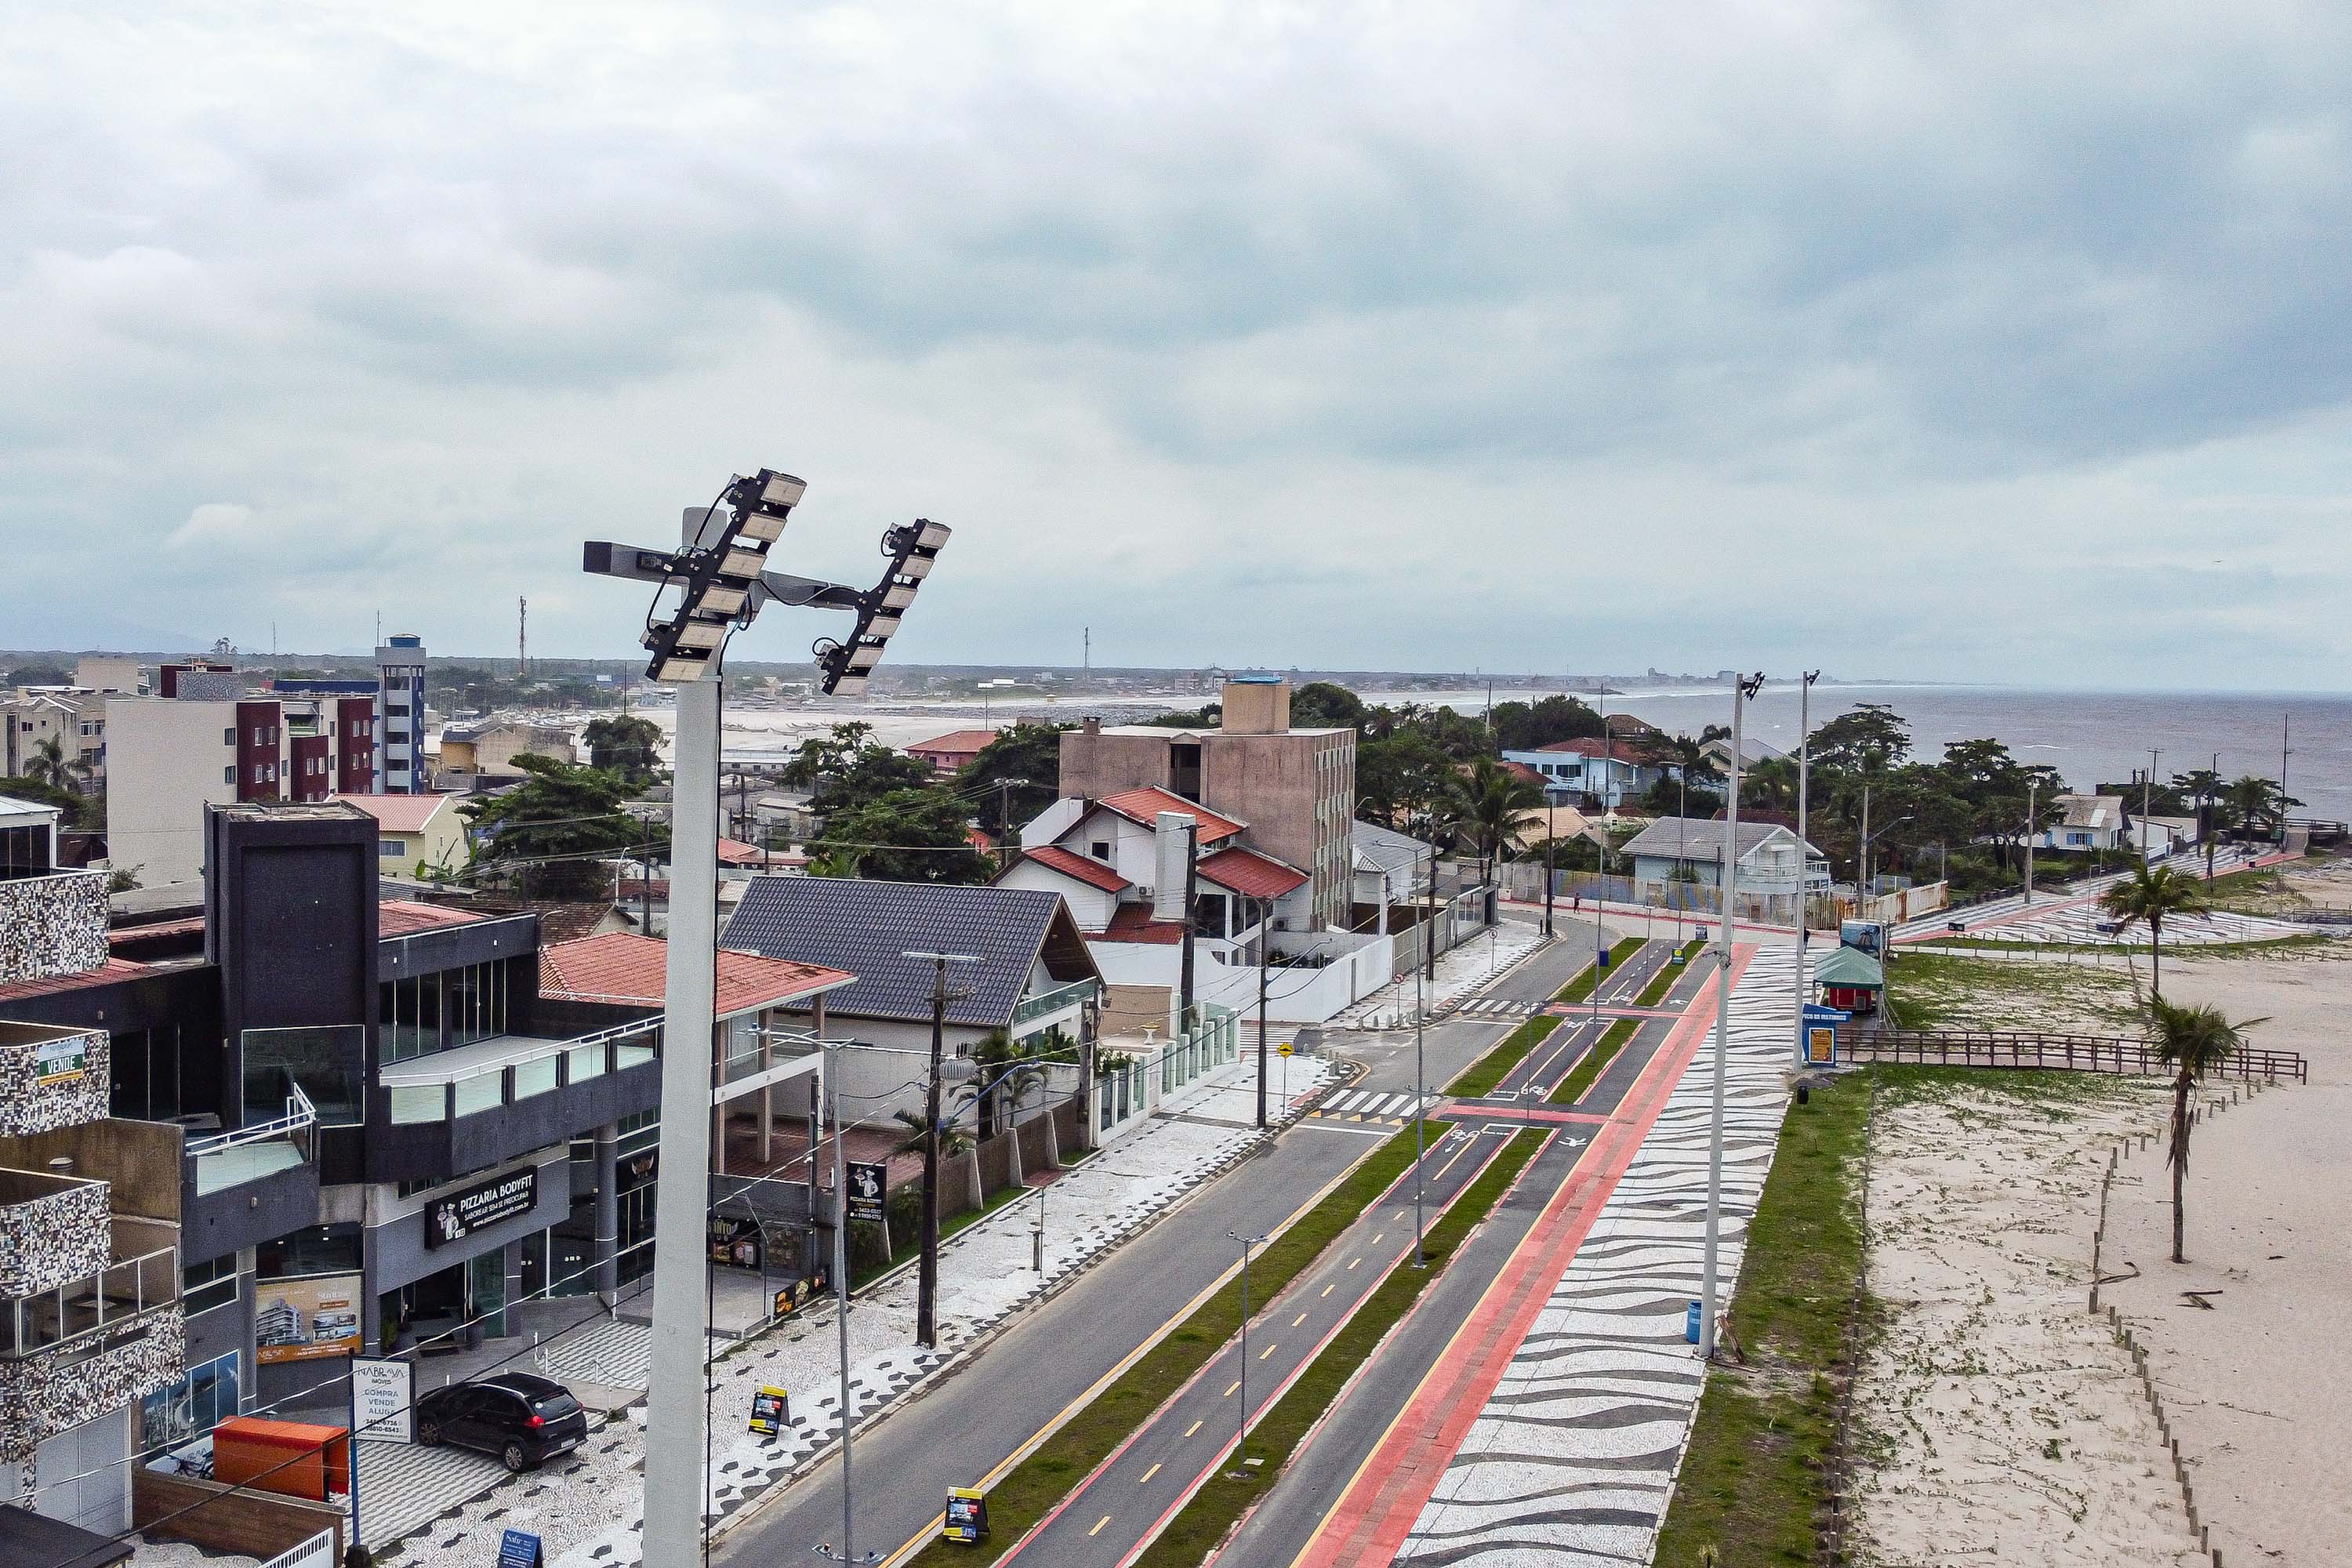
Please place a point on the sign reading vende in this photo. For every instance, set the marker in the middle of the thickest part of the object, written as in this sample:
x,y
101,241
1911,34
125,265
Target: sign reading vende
x,y
480,1206
61,1061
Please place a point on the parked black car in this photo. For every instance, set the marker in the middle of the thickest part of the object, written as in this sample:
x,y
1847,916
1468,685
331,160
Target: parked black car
x,y
523,1419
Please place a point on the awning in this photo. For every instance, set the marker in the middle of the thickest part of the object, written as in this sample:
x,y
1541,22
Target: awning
x,y
36,1541
1850,968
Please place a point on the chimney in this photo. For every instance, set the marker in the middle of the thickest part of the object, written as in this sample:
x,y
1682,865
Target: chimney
x,y
1256,705
1093,725
1169,843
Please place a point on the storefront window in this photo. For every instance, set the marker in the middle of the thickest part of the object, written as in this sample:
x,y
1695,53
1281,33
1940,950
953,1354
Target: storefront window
x,y
190,1407
203,1286
316,1249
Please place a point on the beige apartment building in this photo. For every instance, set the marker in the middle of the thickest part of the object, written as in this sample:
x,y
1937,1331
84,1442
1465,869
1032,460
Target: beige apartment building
x,y
1296,788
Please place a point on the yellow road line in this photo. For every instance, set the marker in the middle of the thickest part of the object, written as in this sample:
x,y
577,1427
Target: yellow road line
x,y
1147,1475
1353,1261
1328,1289
1098,1524
1228,1393
1266,1353
1195,1426
1299,1320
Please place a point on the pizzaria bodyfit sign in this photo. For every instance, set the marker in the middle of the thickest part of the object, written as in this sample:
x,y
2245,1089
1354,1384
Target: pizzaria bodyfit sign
x,y
459,1216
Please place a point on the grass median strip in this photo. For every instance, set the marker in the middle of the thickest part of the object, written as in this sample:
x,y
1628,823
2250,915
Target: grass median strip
x,y
1572,1087
1578,989
1484,1075
1751,1483
1656,991
1204,1521
1022,1498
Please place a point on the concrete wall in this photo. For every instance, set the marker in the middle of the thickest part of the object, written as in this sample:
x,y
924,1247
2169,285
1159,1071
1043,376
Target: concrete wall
x,y
1090,907
240,1520
1096,765
1297,793
42,1395
140,1161
164,764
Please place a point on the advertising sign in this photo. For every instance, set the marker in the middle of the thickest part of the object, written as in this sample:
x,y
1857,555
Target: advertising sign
x,y
480,1206
61,1061
771,1409
383,1391
1820,1044
520,1548
735,1242
967,1515
303,1319
866,1183
799,1294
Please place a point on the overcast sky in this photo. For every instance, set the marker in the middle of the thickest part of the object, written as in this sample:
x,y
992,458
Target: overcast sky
x,y
1967,341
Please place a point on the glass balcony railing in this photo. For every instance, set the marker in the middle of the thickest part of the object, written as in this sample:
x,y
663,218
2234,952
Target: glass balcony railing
x,y
142,1278
509,1070
1047,1003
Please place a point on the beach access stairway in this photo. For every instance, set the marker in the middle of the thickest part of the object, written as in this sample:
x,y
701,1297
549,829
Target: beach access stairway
x,y
2045,1050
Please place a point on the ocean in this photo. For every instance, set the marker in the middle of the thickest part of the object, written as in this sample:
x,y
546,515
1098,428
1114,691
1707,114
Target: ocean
x,y
2090,737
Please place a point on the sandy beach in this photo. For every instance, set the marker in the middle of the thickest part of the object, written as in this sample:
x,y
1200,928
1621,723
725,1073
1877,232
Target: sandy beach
x,y
1999,1422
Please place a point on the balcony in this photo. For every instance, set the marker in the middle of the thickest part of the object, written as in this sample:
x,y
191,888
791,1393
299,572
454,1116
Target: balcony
x,y
1046,1004
141,1277
241,1188
53,1228
94,1343
50,1078
463,1109
51,924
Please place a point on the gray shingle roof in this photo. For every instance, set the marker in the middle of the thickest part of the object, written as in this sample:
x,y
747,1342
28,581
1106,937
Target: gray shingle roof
x,y
1384,850
867,928
1697,838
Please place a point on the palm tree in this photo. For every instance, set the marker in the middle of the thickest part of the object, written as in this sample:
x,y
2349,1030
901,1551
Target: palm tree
x,y
953,1139
2196,1040
47,765
1498,797
2256,802
2150,896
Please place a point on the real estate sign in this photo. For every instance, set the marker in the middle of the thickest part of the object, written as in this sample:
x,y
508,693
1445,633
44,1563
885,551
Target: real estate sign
x,y
61,1061
383,1391
306,1318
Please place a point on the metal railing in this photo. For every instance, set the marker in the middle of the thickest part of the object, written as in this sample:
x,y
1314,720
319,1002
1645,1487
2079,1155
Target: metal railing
x,y
1055,1001
90,1303
2031,1050
541,1068
300,1115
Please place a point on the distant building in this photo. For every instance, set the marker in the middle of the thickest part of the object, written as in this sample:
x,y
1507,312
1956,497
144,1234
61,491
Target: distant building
x,y
1601,773
482,754
1773,861
953,750
416,833
400,685
2086,823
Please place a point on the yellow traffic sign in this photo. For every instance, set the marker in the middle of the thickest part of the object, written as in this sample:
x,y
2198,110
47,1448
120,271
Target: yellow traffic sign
x,y
1283,1049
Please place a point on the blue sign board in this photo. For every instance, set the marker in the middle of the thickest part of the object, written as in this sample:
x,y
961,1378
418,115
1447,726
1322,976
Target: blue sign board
x,y
520,1548
1817,1014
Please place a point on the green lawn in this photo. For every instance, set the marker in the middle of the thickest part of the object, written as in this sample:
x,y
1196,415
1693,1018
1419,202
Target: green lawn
x,y
1750,1486
1578,989
1022,1498
1204,1521
1484,1075
1574,1087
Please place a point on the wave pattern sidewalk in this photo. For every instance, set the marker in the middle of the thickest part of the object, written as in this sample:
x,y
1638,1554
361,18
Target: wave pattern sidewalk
x,y
1573,1459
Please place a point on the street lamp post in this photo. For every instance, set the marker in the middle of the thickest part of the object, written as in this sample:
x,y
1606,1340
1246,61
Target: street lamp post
x,y
1741,690
1241,1435
2032,799
719,570
1420,1029
840,1315
927,1268
1804,767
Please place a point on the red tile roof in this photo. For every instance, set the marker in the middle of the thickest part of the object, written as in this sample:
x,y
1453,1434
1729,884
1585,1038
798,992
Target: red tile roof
x,y
1133,922
1250,874
735,852
401,917
106,973
124,936
955,742
1092,872
399,813
1143,805
622,967
1521,770
1593,745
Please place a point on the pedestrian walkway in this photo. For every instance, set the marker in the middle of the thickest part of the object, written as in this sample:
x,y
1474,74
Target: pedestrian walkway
x,y
1499,1007
406,1485
1363,1105
1549,1430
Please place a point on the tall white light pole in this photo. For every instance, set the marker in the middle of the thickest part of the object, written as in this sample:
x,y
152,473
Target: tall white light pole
x,y
1804,763
720,571
1741,690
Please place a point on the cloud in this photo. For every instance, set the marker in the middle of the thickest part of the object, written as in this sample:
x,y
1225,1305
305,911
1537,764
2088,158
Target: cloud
x,y
1502,335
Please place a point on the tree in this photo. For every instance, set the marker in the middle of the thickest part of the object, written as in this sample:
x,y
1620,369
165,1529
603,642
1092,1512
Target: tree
x,y
1326,705
1498,797
627,745
905,835
953,1139
1030,753
1207,716
2255,804
552,832
1530,726
39,674
2196,1040
47,765
2151,895
819,759
1403,776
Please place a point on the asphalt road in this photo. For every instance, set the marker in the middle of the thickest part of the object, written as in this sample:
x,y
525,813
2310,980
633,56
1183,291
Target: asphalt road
x,y
962,1430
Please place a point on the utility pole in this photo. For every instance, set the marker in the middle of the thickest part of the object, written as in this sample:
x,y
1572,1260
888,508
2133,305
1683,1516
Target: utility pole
x,y
1420,1028
840,1294
1191,896
1804,764
1265,914
1548,837
2283,756
1008,851
1861,853
2033,795
522,637
2147,792
2207,827
927,1270
1741,690
1429,908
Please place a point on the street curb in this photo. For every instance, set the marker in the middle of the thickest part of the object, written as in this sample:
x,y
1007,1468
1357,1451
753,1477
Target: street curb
x,y
1447,1010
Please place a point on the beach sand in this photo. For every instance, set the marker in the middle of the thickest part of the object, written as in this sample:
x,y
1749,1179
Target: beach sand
x,y
2259,1388
2000,1422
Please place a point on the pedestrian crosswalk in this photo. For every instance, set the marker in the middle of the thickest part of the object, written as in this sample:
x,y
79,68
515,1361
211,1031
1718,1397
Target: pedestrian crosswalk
x,y
1499,1008
1364,1105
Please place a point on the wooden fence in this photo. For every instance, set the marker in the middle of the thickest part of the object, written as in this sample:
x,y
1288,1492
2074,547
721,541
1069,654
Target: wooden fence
x,y
2030,1049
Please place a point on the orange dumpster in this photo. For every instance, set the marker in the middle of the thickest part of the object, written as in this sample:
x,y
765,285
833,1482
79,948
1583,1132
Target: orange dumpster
x,y
291,1457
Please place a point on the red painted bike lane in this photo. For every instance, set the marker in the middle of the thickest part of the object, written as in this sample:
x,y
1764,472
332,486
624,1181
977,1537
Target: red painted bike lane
x,y
1374,1515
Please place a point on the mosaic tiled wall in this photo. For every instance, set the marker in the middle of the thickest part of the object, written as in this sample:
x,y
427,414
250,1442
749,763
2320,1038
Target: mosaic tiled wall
x,y
55,1236
52,925
41,1396
41,1092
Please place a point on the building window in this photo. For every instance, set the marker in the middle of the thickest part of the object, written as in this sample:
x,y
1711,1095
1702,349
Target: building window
x,y
1101,849
229,736
393,849
228,774
190,1407
318,1249
203,1286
